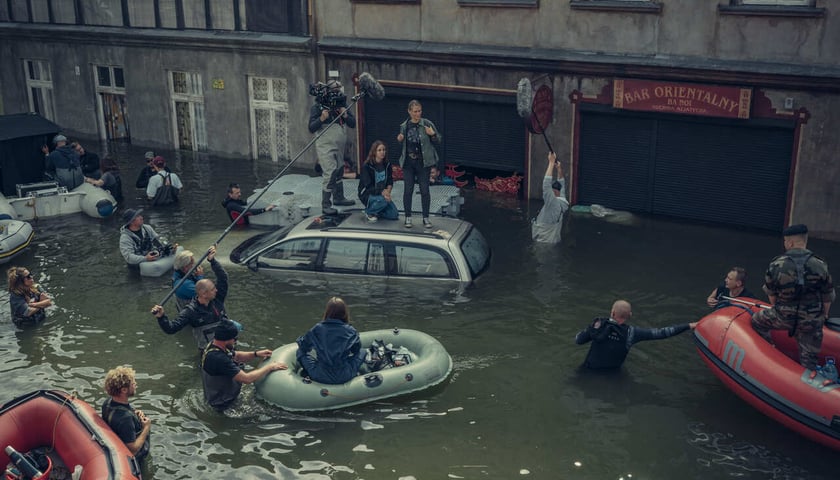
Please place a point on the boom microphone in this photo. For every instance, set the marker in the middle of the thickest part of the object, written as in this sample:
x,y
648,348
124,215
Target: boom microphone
x,y
370,86
523,98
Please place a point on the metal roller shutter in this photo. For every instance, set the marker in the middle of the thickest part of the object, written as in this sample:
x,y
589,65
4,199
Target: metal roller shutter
x,y
715,170
722,173
481,131
614,161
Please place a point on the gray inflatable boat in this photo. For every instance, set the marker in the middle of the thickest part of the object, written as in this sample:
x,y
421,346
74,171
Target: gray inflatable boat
x,y
424,363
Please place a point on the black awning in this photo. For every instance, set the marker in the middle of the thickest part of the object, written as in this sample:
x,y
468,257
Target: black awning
x,y
21,125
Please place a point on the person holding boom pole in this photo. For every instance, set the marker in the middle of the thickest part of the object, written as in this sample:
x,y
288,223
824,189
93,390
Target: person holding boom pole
x,y
548,225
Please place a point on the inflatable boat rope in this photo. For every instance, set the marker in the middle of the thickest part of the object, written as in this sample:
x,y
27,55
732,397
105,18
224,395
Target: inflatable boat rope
x,y
325,392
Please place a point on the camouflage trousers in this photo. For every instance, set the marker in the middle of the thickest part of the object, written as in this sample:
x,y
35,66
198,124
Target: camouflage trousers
x,y
809,328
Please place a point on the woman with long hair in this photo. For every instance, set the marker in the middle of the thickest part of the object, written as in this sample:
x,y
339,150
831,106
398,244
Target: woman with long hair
x,y
337,347
26,299
375,183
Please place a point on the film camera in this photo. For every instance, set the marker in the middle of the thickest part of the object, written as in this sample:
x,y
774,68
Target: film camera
x,y
328,97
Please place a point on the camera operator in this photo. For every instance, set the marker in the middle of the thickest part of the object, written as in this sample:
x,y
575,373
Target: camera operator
x,y
330,102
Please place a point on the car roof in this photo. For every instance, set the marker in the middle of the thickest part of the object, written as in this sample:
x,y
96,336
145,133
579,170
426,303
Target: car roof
x,y
444,227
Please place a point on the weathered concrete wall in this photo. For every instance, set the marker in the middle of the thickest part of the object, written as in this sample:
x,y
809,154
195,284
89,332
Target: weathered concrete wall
x,y
682,28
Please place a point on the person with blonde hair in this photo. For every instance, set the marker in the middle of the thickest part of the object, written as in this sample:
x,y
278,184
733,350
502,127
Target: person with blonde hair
x,y
337,346
419,159
26,299
182,264
131,425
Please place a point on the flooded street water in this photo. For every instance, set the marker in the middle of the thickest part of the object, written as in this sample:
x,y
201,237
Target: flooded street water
x,y
516,405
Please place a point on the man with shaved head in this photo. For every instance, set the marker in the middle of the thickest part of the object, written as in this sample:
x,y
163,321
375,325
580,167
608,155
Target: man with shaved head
x,y
612,337
205,311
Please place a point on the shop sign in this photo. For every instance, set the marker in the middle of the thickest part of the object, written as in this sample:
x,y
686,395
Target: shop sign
x,y
682,98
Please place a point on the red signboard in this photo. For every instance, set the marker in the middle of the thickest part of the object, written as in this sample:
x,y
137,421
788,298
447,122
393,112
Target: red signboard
x,y
682,98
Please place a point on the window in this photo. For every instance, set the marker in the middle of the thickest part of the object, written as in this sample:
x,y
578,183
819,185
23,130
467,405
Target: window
x,y
295,254
772,8
39,88
376,259
346,256
476,251
421,262
188,109
112,102
498,3
805,3
269,98
635,6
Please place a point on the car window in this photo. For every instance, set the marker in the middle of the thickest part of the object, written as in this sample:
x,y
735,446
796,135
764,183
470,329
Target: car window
x,y
476,251
347,256
376,259
422,262
295,254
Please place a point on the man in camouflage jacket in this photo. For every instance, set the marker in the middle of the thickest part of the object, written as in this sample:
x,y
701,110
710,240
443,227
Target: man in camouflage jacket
x,y
800,290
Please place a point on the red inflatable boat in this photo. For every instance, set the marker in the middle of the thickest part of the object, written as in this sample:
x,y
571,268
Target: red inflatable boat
x,y
78,435
771,379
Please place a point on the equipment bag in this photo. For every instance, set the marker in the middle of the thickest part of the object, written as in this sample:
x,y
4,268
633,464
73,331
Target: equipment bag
x,y
166,194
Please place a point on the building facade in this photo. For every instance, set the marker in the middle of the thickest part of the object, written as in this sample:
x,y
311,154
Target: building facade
x,y
713,110
709,110
198,75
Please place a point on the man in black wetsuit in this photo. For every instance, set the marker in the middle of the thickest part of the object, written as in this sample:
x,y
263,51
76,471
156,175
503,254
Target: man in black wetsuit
x,y
612,338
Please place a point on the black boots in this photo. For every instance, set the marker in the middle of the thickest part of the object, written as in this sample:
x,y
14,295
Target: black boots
x,y
326,206
339,196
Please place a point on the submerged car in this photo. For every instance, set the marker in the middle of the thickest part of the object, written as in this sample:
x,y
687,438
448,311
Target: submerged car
x,y
347,244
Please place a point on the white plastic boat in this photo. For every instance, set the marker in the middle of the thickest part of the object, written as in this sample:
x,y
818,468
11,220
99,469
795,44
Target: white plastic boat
x,y
15,236
430,364
47,199
159,266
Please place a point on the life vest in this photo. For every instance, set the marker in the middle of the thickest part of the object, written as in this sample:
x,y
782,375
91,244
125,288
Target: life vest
x,y
143,243
791,277
219,391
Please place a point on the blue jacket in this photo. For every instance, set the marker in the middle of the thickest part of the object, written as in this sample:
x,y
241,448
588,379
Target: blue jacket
x,y
338,349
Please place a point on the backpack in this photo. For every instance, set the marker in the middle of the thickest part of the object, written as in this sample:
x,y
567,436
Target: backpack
x,y
166,194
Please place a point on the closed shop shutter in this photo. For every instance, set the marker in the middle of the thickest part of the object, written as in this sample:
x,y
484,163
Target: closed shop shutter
x,y
714,170
480,131
614,161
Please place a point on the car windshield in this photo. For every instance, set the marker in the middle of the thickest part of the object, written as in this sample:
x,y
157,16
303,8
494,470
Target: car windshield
x,y
476,251
261,241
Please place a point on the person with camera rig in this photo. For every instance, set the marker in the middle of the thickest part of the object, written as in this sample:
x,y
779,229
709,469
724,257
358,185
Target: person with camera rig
x,y
139,242
331,103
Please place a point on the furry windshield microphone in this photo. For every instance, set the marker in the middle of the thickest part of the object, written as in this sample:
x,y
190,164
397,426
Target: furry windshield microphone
x,y
523,98
370,86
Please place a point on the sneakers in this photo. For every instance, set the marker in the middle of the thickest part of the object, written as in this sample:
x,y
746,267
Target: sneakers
x,y
426,223
371,218
407,222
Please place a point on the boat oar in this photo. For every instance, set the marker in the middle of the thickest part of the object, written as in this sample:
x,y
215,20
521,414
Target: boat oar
x,y
752,304
248,206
